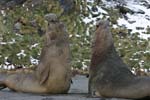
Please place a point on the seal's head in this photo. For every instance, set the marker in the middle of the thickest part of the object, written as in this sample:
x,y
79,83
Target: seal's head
x,y
102,38
102,24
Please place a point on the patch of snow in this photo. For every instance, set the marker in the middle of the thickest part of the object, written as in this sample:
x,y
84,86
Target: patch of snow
x,y
34,61
23,5
84,66
90,1
141,63
144,36
32,5
3,43
10,67
119,44
110,3
11,42
34,45
5,67
77,35
27,9
22,53
115,26
87,32
137,8
3,12
101,10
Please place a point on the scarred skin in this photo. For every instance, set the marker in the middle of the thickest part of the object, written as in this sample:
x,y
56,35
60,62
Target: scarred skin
x,y
109,76
53,74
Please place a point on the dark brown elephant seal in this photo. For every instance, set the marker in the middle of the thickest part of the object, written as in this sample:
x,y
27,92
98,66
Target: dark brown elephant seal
x,y
53,74
109,76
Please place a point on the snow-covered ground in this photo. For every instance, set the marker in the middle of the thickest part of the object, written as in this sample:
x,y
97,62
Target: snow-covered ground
x,y
137,22
141,17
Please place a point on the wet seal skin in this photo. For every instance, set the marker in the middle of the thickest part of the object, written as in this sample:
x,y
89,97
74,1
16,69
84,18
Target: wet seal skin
x,y
53,73
109,76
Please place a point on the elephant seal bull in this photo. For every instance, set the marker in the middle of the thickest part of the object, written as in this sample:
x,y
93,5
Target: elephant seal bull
x,y
109,76
53,73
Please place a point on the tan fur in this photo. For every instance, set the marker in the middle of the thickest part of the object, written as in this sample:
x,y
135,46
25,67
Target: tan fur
x,y
53,74
109,76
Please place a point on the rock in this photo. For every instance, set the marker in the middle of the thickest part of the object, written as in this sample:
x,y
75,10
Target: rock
x,y
94,9
51,17
17,27
140,12
13,3
147,17
131,22
140,28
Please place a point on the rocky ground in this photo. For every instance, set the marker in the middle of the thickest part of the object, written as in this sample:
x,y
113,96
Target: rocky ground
x,y
78,91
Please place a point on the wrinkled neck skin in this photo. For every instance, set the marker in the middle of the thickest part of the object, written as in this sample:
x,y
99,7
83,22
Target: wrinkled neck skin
x,y
51,46
102,44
